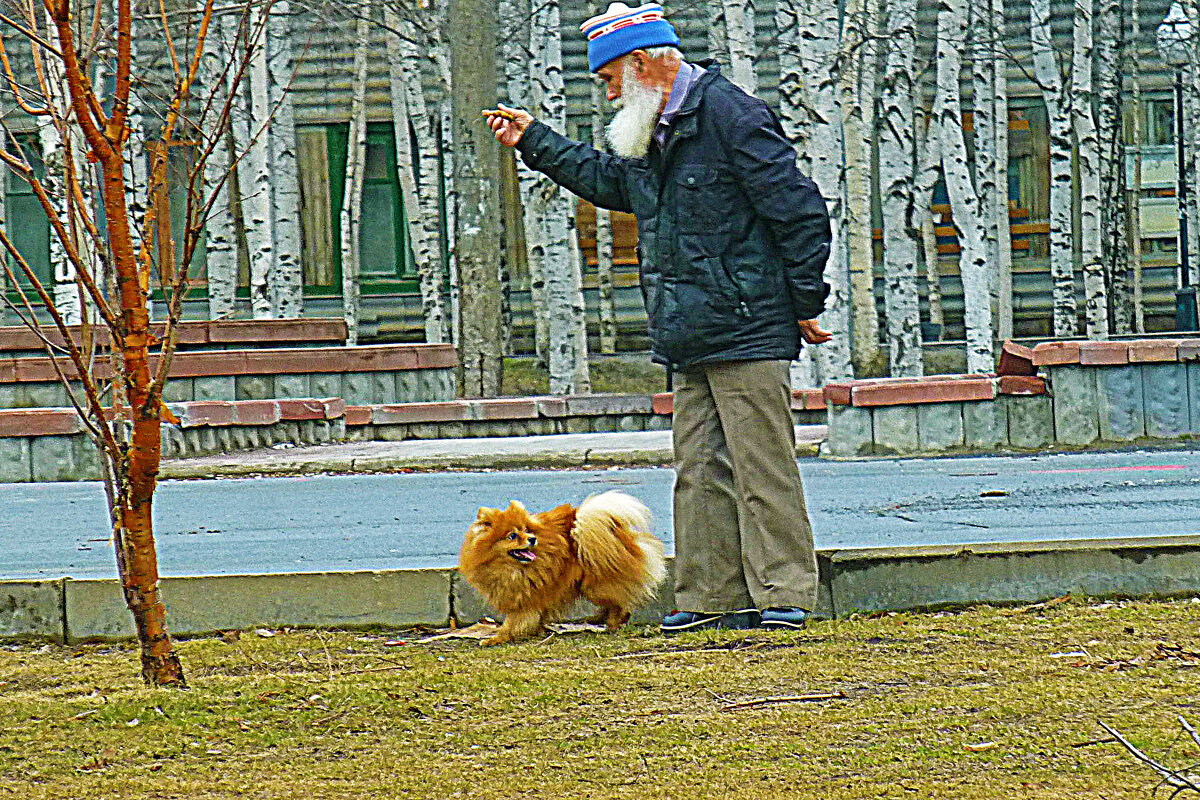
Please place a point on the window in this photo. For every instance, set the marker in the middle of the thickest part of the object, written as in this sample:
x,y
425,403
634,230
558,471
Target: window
x,y
27,224
384,249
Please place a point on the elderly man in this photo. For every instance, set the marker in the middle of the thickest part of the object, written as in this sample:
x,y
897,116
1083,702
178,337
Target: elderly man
x,y
732,242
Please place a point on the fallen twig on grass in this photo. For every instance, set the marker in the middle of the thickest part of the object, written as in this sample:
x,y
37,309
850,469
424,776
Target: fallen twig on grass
x,y
771,701
1090,742
1180,781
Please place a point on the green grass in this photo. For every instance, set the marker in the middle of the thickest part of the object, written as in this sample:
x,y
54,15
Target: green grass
x,y
622,374
314,715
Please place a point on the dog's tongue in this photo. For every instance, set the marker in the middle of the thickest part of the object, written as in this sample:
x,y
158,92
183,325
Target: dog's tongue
x,y
529,554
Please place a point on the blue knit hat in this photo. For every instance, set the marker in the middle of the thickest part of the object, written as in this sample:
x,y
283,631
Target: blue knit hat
x,y
622,29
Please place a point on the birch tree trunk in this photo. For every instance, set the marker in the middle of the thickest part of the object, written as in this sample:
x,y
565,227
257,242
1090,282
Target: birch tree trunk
x,y
220,236
564,293
470,34
900,220
743,51
823,74
929,160
718,39
604,240
1058,110
437,33
793,27
792,22
257,175
136,171
1094,283
54,158
983,82
416,153
287,275
356,152
1113,203
1004,327
977,314
1135,191
1191,132
856,85
521,60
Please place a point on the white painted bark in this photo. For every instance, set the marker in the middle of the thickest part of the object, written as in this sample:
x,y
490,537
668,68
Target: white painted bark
x,y
220,235
256,174
900,220
567,361
856,86
416,154
1058,109
977,315
743,52
822,70
980,44
521,61
356,151
286,282
929,165
1088,150
1004,290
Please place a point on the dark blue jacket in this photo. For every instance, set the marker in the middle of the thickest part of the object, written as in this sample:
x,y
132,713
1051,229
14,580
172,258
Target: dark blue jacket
x,y
732,239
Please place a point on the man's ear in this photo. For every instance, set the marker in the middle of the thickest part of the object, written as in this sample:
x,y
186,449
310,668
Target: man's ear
x,y
640,60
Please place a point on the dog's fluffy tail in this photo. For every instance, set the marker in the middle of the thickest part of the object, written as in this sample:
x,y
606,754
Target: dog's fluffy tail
x,y
619,554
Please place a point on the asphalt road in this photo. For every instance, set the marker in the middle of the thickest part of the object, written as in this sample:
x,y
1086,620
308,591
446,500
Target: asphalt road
x,y
264,525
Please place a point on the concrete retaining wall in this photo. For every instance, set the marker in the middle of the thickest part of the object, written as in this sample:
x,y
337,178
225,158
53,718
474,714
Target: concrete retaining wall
x,y
852,581
1088,393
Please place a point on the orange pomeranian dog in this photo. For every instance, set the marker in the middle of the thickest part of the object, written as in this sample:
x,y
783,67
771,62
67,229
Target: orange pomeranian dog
x,y
533,567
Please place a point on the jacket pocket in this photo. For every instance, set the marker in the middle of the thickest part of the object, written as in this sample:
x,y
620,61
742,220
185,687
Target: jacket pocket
x,y
722,287
704,200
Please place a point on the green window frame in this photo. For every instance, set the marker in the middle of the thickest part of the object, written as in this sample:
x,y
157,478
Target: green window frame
x,y
26,222
388,264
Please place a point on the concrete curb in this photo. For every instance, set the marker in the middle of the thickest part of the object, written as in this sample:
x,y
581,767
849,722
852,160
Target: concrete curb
x,y
557,451
852,581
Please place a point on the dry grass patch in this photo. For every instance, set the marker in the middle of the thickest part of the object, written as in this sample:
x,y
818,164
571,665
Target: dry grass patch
x,y
311,714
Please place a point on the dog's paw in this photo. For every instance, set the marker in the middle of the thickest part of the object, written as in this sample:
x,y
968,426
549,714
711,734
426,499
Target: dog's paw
x,y
492,641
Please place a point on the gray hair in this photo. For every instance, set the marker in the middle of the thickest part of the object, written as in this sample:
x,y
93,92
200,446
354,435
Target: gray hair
x,y
664,52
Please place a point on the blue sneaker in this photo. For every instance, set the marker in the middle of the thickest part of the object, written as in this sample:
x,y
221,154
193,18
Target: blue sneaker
x,y
680,621
788,618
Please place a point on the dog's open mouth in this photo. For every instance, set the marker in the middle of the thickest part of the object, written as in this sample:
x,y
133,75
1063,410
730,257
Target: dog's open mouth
x,y
523,556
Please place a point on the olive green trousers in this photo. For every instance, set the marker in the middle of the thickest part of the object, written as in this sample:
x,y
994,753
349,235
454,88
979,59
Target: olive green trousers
x,y
742,533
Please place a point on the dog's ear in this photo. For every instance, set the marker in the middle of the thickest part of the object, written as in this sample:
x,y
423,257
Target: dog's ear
x,y
486,514
516,505
558,519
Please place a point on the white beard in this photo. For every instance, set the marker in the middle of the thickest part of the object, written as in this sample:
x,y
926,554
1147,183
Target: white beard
x,y
632,127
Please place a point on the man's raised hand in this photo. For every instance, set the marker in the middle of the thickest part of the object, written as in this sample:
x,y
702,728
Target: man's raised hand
x,y
507,124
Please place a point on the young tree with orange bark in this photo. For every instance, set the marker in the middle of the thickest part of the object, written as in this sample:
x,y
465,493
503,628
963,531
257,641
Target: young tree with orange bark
x,y
71,69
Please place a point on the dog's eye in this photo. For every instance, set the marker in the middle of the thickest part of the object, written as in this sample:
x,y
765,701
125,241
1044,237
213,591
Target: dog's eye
x,y
512,536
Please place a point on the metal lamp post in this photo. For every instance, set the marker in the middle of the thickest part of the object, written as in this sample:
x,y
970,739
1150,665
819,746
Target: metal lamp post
x,y
1174,37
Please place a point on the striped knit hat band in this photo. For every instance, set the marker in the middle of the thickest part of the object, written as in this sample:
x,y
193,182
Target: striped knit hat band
x,y
621,30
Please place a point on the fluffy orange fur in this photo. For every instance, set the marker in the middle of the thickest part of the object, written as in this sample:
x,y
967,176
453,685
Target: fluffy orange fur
x,y
533,567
